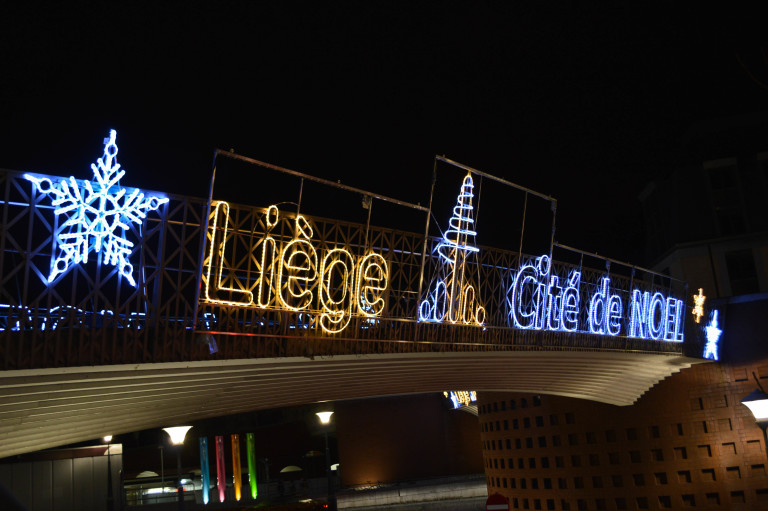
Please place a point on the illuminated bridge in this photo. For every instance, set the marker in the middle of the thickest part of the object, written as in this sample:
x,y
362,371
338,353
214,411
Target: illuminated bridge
x,y
122,310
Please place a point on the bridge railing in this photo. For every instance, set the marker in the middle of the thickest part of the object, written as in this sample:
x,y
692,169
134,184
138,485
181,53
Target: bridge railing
x,y
89,315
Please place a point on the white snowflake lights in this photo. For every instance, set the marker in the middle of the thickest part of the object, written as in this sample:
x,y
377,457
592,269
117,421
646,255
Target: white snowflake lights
x,y
98,214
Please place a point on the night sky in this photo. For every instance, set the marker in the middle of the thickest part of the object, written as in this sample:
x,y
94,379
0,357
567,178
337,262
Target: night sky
x,y
583,103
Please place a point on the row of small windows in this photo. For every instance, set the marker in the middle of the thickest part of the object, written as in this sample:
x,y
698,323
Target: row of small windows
x,y
616,480
593,460
621,503
502,405
611,436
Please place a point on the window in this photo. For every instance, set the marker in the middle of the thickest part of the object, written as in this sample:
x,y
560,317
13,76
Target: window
x,y
600,504
531,462
512,404
741,272
497,426
550,503
591,438
642,503
613,458
565,505
657,455
524,403
512,481
506,425
697,404
597,482
654,432
758,470
539,421
562,483
732,473
578,482
570,418
503,405
737,497
553,420
661,477
573,439
547,483
684,476
520,463
631,434
617,481
534,484
523,484
679,429
527,422
544,462
638,479
689,501
536,400
542,441
729,448
594,460
509,444
665,502
714,498
515,424
680,453
575,460
610,435
705,451
556,440
495,407
504,481
518,444
501,462
529,443
634,456
495,463
621,503
559,462
708,474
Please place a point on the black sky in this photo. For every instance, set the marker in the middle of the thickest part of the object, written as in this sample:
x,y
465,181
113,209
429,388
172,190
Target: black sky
x,y
583,103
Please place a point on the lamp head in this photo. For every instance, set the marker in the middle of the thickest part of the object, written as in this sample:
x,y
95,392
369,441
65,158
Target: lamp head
x,y
757,402
177,434
325,417
107,438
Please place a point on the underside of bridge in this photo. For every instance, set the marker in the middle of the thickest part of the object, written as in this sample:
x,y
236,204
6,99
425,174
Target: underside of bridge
x,y
44,408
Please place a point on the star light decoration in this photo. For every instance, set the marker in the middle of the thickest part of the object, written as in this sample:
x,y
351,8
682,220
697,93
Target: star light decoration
x,y
713,336
98,214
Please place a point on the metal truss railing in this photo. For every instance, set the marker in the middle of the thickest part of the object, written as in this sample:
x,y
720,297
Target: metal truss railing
x,y
90,316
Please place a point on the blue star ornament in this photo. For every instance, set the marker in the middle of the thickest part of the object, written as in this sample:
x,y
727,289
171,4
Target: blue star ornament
x,y
97,215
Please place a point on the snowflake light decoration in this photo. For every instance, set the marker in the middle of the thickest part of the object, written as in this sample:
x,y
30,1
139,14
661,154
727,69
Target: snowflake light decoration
x,y
98,214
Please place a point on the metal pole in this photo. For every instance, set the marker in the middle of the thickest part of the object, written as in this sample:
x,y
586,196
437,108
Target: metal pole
x,y
329,473
180,486
110,492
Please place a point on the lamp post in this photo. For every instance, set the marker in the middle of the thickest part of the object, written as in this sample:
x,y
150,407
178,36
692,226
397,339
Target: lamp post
x,y
110,493
177,435
757,402
325,420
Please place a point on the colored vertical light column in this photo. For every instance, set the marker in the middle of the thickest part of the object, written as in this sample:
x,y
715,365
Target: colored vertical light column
x,y
236,474
205,473
251,453
221,470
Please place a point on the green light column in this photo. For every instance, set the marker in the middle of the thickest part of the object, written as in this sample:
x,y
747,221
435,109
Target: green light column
x,y
251,448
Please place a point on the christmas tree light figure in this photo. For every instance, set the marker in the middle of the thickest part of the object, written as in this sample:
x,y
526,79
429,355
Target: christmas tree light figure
x,y
454,298
98,213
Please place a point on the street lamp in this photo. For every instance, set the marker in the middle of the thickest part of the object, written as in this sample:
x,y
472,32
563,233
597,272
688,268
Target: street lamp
x,y
325,420
757,402
110,492
177,435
